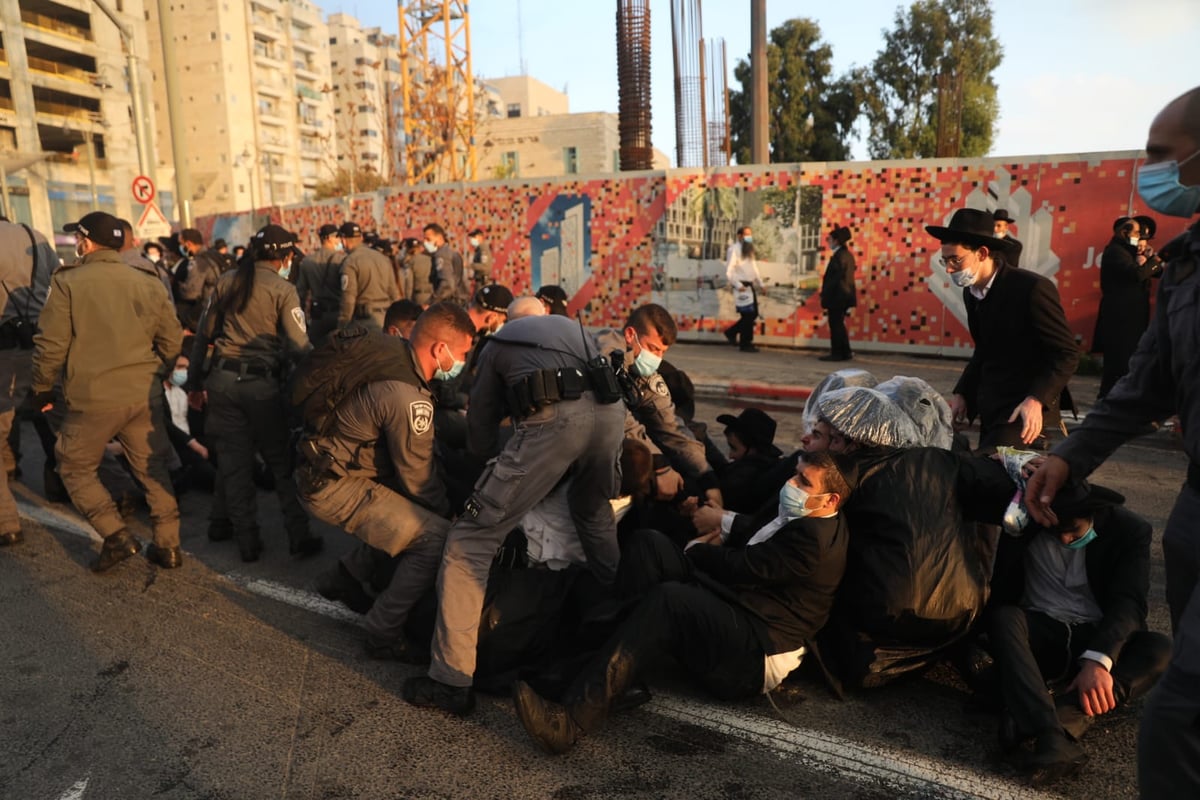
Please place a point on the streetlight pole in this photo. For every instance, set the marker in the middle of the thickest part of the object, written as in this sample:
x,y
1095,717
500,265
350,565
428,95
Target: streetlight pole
x,y
183,175
145,162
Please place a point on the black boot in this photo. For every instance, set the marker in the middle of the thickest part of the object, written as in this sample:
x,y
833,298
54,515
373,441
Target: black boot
x,y
340,586
308,546
52,486
116,548
1054,757
13,537
547,723
425,692
249,544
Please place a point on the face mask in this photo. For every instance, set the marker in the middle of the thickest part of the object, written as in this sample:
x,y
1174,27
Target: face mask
x,y
183,251
1082,541
1001,235
456,368
79,250
646,363
179,377
474,242
1159,186
793,501
964,278
286,272
430,247
1133,240
748,239
339,246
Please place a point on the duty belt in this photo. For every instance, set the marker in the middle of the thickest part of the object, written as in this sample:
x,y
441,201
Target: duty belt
x,y
545,387
246,368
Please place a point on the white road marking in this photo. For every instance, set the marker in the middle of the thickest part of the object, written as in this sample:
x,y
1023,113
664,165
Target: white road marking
x,y
895,770
77,790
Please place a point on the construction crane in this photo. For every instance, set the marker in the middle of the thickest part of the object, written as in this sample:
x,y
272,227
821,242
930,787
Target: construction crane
x,y
437,92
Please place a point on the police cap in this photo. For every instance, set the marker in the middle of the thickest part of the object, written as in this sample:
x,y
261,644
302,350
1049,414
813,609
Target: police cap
x,y
101,228
494,297
350,230
273,242
327,230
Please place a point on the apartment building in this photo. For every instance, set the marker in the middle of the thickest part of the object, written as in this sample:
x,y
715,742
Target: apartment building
x,y
67,135
256,92
365,68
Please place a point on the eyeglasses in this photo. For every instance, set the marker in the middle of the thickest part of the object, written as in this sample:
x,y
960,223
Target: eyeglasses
x,y
954,262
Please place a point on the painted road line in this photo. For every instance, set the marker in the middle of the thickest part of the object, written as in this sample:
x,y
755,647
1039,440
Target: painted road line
x,y
300,598
892,770
77,789
64,521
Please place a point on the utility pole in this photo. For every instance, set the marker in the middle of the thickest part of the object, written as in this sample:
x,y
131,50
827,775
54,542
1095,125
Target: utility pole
x,y
183,174
760,145
140,125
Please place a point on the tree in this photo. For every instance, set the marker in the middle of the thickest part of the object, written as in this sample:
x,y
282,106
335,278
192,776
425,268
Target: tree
x,y
341,185
932,39
811,116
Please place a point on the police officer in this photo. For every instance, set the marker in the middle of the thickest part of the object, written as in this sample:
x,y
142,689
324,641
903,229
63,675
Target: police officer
x,y
254,322
114,327
447,276
542,372
648,333
195,276
319,284
374,474
26,261
368,281
481,258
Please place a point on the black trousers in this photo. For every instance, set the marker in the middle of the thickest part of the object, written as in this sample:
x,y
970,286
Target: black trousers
x,y
675,621
839,339
743,330
1032,649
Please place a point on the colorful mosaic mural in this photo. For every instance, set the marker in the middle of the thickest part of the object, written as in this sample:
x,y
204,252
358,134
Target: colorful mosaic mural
x,y
615,242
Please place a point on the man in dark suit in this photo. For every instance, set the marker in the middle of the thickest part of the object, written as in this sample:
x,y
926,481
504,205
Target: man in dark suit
x,y
1024,351
1125,272
839,293
1000,226
737,617
1071,612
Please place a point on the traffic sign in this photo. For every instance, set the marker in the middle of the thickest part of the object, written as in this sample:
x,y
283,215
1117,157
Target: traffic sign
x,y
148,227
143,190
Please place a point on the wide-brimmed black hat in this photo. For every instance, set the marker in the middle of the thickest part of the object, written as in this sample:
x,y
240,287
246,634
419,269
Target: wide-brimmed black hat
x,y
1001,215
840,234
494,297
1148,225
753,426
102,228
1080,500
971,227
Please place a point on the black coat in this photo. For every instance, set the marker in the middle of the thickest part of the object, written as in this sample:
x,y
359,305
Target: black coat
x,y
838,290
1124,297
787,583
1013,252
1118,572
1023,348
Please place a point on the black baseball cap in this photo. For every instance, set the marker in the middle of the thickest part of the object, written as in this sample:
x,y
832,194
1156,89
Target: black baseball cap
x,y
102,228
555,296
350,230
327,230
494,297
274,241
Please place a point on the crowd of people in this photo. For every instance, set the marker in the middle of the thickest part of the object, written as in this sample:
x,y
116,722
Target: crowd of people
x,y
537,509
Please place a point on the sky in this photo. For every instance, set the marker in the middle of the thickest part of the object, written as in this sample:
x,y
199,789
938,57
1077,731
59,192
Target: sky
x,y
1078,76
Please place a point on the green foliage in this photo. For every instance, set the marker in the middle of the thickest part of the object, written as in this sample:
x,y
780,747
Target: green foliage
x,y
340,185
811,114
899,91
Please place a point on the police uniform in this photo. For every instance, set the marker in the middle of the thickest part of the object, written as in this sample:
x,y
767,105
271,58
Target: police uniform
x,y
378,481
368,283
559,426
245,409
108,329
319,274
449,281
202,272
26,261
421,266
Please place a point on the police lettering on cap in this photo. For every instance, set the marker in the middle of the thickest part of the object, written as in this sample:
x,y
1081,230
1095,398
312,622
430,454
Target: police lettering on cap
x,y
350,230
274,241
99,227
494,297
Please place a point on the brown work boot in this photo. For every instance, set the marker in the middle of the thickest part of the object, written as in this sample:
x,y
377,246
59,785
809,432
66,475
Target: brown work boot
x,y
116,548
547,723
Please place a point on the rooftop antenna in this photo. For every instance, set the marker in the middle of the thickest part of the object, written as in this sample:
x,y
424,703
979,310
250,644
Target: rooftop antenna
x,y
521,40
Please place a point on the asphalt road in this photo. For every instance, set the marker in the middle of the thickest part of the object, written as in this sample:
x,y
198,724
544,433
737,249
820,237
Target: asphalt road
x,y
223,680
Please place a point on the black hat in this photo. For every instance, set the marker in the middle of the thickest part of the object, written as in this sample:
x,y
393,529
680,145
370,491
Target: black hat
x,y
840,234
1148,225
1080,499
494,297
191,235
753,426
971,227
219,243
556,296
274,241
1001,215
101,228
350,230
326,230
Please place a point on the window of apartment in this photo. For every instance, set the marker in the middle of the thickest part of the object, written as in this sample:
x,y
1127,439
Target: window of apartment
x,y
212,37
370,87
362,62
391,65
370,134
365,109
510,162
514,109
571,160
333,40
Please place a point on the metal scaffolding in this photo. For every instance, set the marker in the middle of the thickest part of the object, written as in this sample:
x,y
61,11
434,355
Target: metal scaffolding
x,y
633,84
437,92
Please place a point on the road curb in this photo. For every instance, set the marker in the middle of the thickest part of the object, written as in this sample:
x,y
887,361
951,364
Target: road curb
x,y
776,394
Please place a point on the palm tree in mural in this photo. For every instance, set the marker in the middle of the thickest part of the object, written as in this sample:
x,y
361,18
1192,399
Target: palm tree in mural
x,y
712,204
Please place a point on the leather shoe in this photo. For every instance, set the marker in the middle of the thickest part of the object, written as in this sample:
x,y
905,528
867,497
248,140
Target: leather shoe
x,y
250,551
116,548
339,586
1054,757
165,557
308,546
52,486
547,723
13,537
748,349
395,650
834,358
220,530
425,692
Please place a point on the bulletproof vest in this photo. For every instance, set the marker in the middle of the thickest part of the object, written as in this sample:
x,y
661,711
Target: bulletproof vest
x,y
352,357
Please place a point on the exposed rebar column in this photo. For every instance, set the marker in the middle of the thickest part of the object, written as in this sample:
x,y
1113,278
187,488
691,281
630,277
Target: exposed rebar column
x,y
760,144
633,84
687,31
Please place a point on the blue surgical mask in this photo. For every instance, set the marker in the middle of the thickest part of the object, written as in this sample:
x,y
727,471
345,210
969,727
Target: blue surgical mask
x,y
1082,541
748,239
1159,186
456,368
793,501
286,272
179,377
646,363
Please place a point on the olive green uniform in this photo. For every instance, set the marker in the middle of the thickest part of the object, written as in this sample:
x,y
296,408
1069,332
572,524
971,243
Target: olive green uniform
x,y
368,287
319,277
108,329
246,411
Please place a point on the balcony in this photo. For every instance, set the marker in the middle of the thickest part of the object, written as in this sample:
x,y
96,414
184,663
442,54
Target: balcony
x,y
270,5
272,118
267,27
270,88
303,41
267,56
274,144
311,124
42,22
61,70
308,93
65,111
304,69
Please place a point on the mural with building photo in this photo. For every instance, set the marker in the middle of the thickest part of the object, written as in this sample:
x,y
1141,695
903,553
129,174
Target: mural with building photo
x,y
618,241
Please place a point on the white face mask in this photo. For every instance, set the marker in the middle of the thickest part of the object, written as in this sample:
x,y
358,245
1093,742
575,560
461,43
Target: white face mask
x,y
1133,240
430,247
474,242
79,254
964,278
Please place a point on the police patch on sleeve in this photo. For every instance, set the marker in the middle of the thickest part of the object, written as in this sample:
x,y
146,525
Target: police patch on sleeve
x,y
298,316
345,281
659,385
420,416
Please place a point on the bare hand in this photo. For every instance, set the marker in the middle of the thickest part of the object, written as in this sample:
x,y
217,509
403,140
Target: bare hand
x,y
958,411
688,506
707,518
712,537
669,484
197,400
1043,486
1030,414
1095,686
713,498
